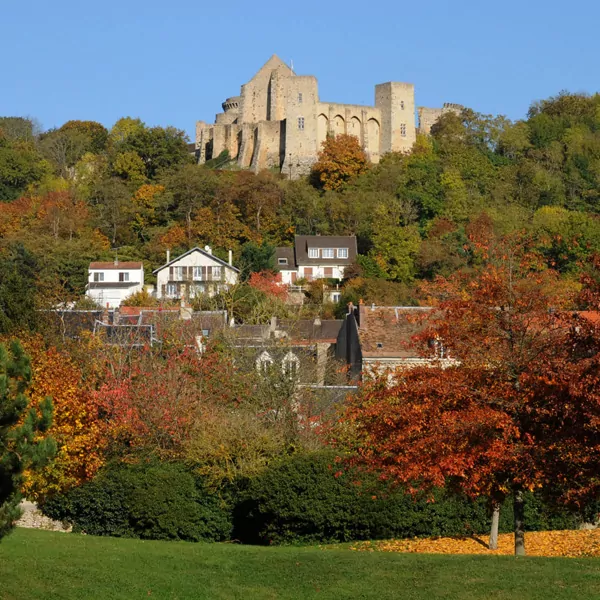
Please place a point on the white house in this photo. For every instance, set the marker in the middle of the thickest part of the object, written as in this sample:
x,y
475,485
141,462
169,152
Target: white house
x,y
109,283
315,257
194,272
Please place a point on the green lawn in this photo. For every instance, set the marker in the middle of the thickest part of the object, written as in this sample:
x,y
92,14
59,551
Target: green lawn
x,y
44,565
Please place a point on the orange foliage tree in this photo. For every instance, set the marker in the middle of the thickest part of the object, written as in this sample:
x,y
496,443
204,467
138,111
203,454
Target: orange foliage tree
x,y
485,426
340,160
75,425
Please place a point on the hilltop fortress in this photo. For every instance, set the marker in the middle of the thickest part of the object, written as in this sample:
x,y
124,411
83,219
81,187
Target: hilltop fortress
x,y
278,121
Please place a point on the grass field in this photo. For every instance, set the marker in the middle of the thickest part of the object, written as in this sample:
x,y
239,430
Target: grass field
x,y
44,565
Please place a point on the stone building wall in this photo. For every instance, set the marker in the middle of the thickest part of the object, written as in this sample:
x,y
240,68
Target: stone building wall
x,y
278,121
428,117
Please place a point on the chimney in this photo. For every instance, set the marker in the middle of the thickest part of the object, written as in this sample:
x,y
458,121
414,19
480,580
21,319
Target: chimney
x,y
208,249
230,258
168,256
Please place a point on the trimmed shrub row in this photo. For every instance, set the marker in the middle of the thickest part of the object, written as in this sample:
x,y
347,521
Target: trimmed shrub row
x,y
298,500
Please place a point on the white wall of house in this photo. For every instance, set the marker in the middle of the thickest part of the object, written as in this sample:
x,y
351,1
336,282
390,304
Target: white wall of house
x,y
208,276
113,283
321,272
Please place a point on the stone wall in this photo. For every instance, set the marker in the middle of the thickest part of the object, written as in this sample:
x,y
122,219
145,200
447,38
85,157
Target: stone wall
x,y
32,518
278,121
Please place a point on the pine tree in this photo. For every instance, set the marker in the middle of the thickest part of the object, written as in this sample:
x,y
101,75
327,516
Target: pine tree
x,y
23,444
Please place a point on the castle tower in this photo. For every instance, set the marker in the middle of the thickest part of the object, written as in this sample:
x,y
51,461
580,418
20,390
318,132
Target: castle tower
x,y
396,101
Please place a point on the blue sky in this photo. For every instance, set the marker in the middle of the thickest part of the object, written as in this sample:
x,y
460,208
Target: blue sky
x,y
173,63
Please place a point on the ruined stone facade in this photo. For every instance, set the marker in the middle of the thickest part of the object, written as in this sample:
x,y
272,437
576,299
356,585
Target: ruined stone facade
x,y
278,121
429,116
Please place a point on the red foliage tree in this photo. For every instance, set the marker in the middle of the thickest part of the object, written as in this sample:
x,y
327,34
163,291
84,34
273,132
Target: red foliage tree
x,y
520,411
269,283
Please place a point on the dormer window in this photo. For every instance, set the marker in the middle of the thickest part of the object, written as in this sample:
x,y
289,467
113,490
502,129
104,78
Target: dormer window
x,y
328,253
282,261
98,277
313,253
342,253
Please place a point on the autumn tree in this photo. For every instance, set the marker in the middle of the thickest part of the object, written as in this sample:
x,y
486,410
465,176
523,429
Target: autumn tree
x,y
75,425
23,443
473,426
340,160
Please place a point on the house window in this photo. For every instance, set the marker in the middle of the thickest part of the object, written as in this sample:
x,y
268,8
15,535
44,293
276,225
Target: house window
x,y
299,97
328,253
291,365
123,276
403,130
301,123
313,253
342,253
216,273
335,297
178,273
197,274
264,363
402,104
282,261
171,290
98,277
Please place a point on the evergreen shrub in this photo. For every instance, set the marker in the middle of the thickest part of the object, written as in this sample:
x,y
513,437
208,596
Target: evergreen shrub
x,y
159,501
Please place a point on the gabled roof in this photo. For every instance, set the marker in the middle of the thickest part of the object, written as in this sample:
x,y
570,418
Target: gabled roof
x,y
303,242
117,266
387,331
196,249
288,253
273,63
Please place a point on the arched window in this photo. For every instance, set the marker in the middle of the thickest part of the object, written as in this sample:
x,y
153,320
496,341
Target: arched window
x,y
264,363
291,365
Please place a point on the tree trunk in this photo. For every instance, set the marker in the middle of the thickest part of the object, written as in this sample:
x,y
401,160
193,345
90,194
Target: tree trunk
x,y
494,530
519,510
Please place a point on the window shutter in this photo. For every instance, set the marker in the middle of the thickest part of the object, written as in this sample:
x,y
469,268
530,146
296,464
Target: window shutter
x,y
170,273
209,273
203,273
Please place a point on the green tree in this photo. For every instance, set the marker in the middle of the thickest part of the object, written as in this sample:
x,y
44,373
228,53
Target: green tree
x,y
18,289
23,444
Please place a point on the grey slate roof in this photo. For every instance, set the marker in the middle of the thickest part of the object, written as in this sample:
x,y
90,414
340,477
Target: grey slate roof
x,y
303,242
298,255
288,253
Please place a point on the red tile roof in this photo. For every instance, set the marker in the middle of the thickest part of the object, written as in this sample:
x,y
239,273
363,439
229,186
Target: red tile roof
x,y
119,265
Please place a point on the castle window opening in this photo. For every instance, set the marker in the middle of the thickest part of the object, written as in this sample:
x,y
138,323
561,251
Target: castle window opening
x,y
299,97
301,123
403,130
402,104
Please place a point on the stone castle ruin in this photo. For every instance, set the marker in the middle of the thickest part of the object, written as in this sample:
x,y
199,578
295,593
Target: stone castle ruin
x,y
278,121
